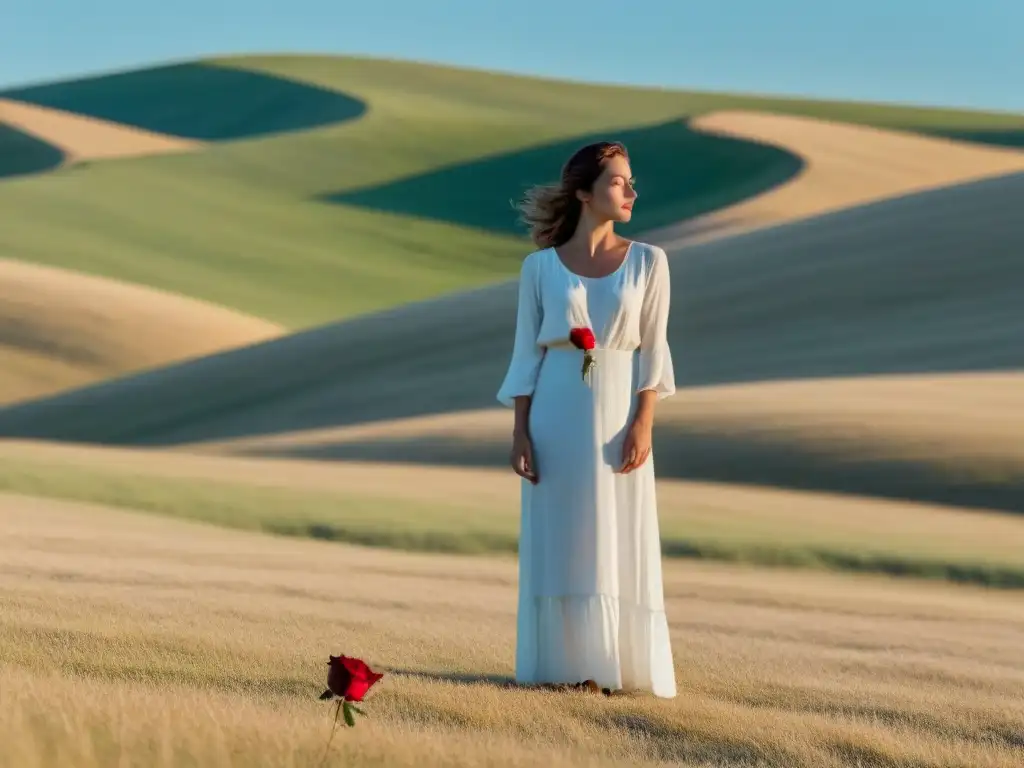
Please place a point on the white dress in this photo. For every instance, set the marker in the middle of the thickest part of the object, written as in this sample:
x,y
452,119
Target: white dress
x,y
591,602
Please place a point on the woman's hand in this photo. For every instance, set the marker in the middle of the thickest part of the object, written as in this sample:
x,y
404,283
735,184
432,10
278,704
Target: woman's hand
x,y
637,445
521,457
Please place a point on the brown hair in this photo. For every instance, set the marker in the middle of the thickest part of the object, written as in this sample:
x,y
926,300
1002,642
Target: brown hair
x,y
552,211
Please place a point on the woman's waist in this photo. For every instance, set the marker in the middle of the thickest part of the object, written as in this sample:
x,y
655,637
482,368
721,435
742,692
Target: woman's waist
x,y
606,359
566,348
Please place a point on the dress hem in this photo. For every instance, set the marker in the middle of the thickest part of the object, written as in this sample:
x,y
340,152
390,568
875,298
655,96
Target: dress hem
x,y
618,643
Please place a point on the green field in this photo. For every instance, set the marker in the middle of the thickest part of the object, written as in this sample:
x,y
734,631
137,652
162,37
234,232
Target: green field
x,y
334,186
910,546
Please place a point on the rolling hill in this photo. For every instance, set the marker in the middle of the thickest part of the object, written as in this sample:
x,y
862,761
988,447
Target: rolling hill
x,y
824,354
74,138
60,329
845,311
330,186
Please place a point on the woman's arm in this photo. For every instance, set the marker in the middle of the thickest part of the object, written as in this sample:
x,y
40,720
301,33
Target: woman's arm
x,y
521,378
656,367
521,422
524,364
657,376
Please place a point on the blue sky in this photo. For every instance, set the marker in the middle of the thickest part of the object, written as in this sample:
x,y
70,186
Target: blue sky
x,y
947,52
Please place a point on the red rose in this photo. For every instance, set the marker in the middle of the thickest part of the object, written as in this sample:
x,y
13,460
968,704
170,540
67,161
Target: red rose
x,y
583,338
349,678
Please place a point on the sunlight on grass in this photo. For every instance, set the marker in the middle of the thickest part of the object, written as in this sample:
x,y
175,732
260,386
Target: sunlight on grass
x,y
688,530
141,640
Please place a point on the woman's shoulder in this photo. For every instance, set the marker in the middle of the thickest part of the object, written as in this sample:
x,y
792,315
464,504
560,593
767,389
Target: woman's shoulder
x,y
537,253
533,258
650,253
648,248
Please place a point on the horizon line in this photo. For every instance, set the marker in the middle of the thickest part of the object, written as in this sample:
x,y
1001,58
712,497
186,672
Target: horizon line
x,y
212,57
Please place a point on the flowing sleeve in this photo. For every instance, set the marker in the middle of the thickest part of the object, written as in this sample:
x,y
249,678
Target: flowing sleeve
x,y
656,368
527,354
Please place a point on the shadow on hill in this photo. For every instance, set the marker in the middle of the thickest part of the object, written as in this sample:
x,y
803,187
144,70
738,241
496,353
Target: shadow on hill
x,y
198,101
681,173
21,154
928,283
741,457
1004,138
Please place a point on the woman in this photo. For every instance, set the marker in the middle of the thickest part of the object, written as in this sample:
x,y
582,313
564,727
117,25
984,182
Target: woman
x,y
591,604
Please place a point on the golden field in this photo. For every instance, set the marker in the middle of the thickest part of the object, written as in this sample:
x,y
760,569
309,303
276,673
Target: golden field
x,y
140,640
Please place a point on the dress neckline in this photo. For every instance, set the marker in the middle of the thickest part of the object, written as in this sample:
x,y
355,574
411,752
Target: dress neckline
x,y
622,264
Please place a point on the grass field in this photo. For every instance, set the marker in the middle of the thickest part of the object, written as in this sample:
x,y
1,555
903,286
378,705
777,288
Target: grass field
x,y
132,639
451,510
390,183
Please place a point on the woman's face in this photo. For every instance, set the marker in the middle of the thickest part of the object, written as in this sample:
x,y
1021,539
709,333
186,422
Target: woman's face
x,y
612,196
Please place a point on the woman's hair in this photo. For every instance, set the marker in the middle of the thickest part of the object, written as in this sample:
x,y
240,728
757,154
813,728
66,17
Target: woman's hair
x,y
552,211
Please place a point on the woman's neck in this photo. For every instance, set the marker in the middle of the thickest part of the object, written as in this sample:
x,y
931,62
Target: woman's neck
x,y
591,238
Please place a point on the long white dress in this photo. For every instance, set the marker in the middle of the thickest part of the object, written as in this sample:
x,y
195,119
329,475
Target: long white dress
x,y
591,601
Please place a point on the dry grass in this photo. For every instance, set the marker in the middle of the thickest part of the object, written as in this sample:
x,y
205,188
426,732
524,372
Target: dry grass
x,y
61,329
131,639
845,165
461,510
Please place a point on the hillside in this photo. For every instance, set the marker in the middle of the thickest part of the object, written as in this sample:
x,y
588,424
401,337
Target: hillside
x,y
75,138
61,329
333,186
843,165
326,187
874,308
